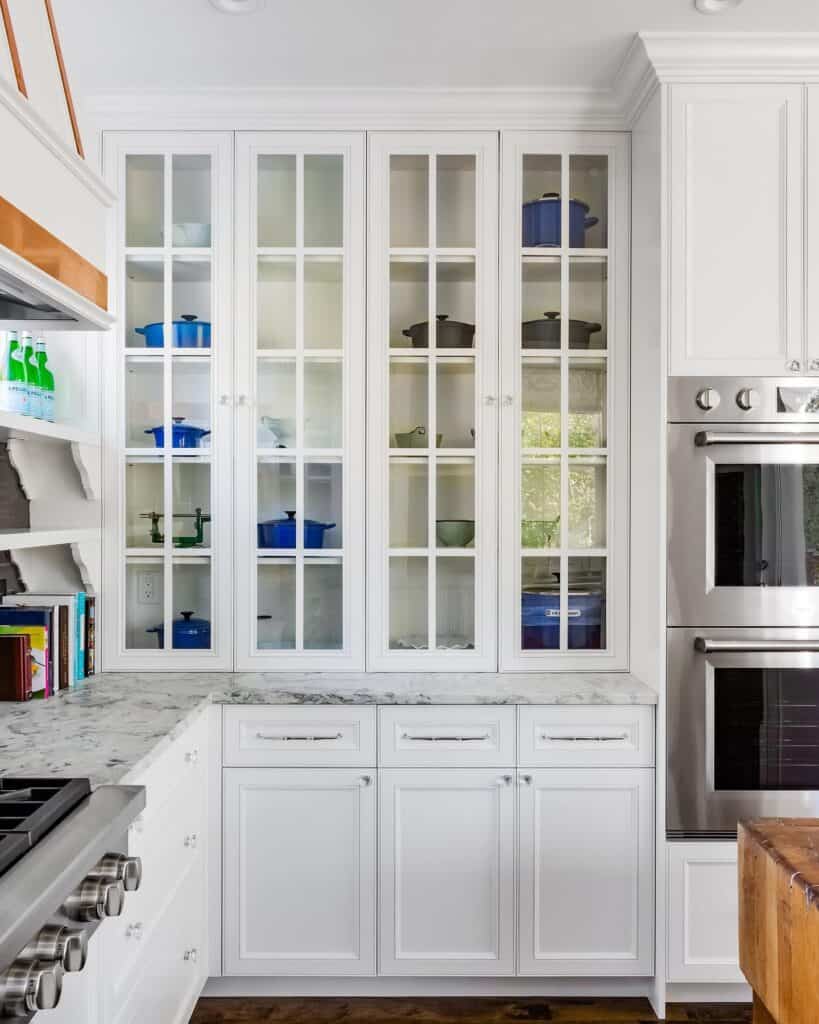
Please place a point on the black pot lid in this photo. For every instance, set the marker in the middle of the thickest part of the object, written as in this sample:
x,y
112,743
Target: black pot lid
x,y
555,318
441,318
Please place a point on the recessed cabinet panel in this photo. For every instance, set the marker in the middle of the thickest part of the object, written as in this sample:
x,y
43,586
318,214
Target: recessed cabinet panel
x,y
324,200
276,199
276,303
455,209
409,200
736,295
323,302
191,177
323,403
317,915
446,878
144,199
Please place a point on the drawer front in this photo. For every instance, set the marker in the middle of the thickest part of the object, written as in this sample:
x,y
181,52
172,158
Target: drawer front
x,y
183,765
299,737
441,736
586,736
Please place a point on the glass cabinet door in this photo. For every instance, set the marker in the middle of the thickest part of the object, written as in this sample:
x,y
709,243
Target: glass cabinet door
x,y
172,461
564,347
432,400
299,497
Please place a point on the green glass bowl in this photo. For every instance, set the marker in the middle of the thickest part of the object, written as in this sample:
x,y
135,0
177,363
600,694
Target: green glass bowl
x,y
455,533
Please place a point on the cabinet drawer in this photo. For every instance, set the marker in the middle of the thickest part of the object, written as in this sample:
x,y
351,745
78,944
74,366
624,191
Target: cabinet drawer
x,y
441,736
586,736
299,737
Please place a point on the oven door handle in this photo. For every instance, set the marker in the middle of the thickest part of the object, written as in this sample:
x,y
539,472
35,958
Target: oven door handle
x,y
704,438
712,645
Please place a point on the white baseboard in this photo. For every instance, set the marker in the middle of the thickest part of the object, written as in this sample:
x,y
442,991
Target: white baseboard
x,y
406,987
702,993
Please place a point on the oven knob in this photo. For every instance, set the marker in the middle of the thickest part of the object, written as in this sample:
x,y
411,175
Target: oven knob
x,y
117,867
94,900
708,399
28,986
68,946
747,399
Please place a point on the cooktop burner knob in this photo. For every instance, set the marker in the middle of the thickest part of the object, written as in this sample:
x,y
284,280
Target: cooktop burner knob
x,y
708,399
748,398
68,946
29,986
95,899
117,867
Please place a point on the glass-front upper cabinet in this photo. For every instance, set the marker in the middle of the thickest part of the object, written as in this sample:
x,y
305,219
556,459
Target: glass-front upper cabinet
x,y
300,384
564,425
167,509
432,400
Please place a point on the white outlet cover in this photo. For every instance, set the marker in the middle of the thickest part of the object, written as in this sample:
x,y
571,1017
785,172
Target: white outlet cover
x,y
715,6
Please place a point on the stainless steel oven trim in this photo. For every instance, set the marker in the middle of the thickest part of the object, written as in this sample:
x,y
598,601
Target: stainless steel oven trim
x,y
707,438
693,806
693,599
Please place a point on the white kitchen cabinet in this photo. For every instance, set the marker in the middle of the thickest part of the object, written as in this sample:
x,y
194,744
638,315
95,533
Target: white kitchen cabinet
x,y
812,227
300,406
564,405
299,871
703,913
167,508
585,900
736,220
446,872
432,400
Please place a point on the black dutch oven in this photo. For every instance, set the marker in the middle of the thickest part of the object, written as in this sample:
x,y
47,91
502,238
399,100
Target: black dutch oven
x,y
448,333
545,333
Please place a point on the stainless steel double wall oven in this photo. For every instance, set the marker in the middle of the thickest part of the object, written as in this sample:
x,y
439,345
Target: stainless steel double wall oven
x,y
743,601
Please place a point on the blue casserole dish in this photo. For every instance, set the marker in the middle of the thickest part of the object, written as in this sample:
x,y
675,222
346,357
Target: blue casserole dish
x,y
540,620
188,633
184,435
281,533
541,221
186,333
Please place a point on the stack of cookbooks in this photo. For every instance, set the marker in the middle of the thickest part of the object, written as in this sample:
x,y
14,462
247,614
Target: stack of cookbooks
x,y
47,643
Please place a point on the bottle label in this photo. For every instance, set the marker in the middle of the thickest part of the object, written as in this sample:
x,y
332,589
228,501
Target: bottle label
x,y
47,400
14,397
35,402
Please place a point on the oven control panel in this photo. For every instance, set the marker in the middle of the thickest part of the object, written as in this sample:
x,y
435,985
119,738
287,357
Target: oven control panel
x,y
743,399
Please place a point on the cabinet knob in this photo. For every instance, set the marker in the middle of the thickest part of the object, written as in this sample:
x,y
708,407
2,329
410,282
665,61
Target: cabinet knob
x,y
190,955
191,841
508,400
365,781
505,780
526,780
192,756
794,366
814,365
224,400
134,931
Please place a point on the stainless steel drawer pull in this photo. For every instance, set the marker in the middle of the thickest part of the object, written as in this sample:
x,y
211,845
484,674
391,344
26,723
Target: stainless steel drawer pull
x,y
445,739
619,738
299,738
704,438
711,645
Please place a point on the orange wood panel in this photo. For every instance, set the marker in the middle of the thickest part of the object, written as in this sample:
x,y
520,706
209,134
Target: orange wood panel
x,y
5,13
28,239
69,101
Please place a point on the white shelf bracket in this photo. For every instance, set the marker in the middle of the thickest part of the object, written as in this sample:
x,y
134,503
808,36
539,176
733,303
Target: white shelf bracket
x,y
87,460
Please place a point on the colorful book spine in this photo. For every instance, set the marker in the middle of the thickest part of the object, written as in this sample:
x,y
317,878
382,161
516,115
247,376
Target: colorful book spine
x,y
15,668
79,672
36,623
90,634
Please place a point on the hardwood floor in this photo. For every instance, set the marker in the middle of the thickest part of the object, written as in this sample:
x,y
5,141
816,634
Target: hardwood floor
x,y
457,1011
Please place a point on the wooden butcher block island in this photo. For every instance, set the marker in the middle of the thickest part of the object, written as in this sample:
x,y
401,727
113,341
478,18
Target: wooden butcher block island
x,y
779,917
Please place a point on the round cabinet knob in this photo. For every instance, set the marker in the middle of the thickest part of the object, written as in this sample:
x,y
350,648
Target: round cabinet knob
x,y
67,946
708,399
191,955
117,867
191,841
748,398
94,900
29,986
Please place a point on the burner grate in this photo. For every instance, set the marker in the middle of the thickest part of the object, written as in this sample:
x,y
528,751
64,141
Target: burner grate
x,y
29,808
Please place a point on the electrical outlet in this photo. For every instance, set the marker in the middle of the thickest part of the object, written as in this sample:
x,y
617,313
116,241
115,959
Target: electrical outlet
x,y
148,588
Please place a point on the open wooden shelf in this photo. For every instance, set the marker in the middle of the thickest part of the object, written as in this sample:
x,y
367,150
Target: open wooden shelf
x,y
16,540
30,429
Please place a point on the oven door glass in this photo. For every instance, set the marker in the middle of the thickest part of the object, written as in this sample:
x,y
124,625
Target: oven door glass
x,y
766,525
766,729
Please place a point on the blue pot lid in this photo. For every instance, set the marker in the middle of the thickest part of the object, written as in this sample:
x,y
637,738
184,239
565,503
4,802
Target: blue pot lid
x,y
291,521
554,197
186,321
190,626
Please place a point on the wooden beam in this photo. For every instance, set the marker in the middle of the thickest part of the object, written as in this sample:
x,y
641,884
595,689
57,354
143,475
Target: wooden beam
x,y
12,41
69,102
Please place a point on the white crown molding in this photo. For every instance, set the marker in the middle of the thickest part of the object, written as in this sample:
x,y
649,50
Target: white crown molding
x,y
733,56
634,83
260,109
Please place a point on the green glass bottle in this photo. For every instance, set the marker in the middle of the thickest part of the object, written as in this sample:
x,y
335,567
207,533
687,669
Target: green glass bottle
x,y
47,388
35,405
14,389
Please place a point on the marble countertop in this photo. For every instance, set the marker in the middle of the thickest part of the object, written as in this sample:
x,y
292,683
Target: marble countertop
x,y
116,723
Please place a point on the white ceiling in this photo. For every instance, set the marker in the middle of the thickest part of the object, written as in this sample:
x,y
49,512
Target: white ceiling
x,y
113,45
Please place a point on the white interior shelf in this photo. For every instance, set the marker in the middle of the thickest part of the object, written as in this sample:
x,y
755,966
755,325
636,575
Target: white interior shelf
x,y
16,540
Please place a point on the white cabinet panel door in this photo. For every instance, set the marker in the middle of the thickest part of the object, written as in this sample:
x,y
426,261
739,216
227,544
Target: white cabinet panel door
x,y
299,871
735,215
446,877
703,913
812,223
586,872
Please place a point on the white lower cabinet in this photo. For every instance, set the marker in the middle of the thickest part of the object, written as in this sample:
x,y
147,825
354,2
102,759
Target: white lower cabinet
x,y
703,913
447,872
585,902
299,871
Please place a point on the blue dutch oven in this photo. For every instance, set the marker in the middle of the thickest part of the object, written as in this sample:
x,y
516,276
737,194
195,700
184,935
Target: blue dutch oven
x,y
186,333
541,221
540,620
188,633
281,533
184,435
